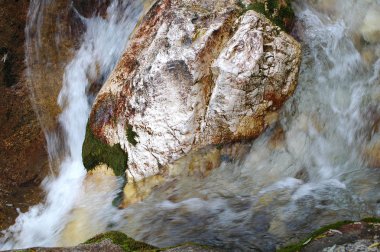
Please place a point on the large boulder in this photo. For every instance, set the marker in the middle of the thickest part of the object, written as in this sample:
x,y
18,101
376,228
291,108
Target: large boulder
x,y
195,74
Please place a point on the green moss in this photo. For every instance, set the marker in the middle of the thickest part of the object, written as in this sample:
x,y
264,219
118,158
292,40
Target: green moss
x,y
121,239
219,146
371,220
128,244
273,10
95,152
258,7
131,135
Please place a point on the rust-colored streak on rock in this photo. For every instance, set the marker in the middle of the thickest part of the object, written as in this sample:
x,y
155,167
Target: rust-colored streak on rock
x,y
108,106
195,74
144,36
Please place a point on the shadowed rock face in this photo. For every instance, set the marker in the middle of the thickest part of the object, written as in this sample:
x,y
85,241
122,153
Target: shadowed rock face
x,y
195,74
23,162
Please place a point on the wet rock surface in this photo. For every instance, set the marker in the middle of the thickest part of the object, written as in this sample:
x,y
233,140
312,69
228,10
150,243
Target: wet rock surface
x,y
105,245
357,236
345,236
114,241
193,248
53,33
360,245
195,74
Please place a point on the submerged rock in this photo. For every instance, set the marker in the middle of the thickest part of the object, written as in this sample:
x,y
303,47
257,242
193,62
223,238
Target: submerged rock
x,y
342,236
195,74
370,29
114,241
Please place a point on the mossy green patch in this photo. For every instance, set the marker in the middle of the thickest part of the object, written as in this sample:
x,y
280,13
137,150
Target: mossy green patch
x,y
371,220
126,243
95,152
273,10
131,135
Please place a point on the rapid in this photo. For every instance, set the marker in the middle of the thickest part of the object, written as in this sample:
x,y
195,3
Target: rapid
x,y
312,168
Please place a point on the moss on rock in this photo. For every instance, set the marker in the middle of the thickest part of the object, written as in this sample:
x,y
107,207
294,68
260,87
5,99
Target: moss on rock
x,y
371,220
126,243
279,13
131,135
95,152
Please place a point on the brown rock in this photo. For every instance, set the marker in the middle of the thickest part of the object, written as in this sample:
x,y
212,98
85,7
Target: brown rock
x,y
23,162
372,155
50,46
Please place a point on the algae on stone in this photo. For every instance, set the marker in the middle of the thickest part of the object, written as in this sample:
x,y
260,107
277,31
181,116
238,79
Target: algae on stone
x,y
274,10
95,152
131,135
126,243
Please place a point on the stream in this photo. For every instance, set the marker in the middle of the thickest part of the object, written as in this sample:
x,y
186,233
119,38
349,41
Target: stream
x,y
310,169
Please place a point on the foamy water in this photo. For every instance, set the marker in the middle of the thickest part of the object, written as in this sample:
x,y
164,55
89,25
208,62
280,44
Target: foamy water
x,y
316,174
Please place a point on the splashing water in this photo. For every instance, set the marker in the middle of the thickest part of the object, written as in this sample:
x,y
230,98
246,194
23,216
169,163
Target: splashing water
x,y
101,47
306,171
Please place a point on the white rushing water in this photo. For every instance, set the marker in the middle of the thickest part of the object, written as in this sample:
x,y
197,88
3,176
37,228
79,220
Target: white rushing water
x,y
306,171
102,45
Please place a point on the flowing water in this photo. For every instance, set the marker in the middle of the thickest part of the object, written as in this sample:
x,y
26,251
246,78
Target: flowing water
x,y
309,169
